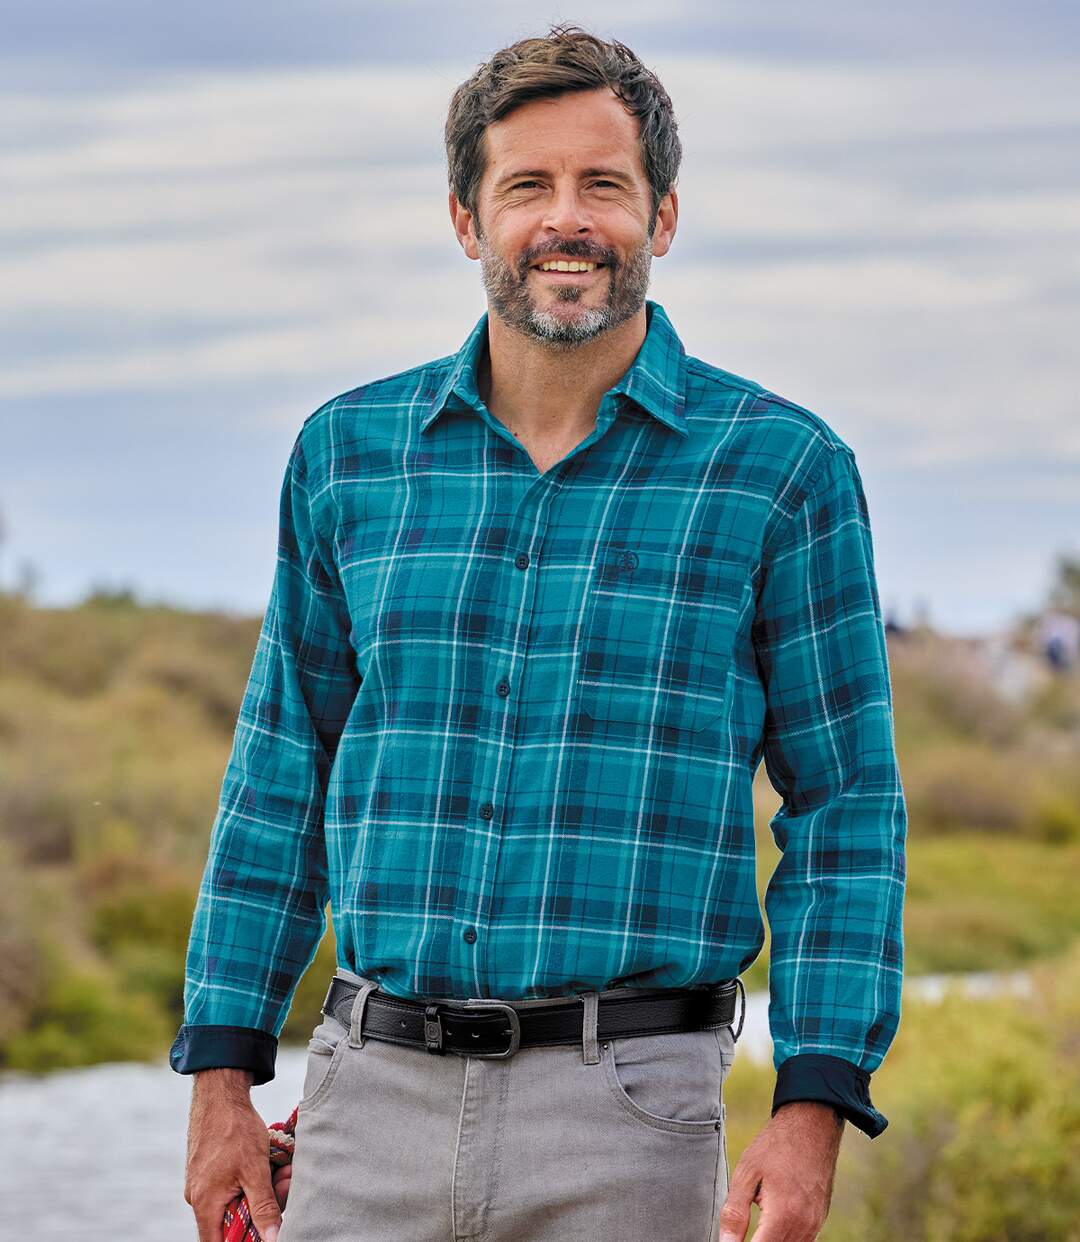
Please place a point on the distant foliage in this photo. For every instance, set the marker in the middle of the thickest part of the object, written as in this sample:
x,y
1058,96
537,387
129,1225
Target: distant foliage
x,y
1065,591
976,902
983,1141
82,1018
983,1100
115,724
973,759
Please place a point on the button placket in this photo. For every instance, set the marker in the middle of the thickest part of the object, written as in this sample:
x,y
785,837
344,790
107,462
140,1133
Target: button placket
x,y
517,588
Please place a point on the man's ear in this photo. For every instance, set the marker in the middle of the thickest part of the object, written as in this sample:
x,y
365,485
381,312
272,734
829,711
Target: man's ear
x,y
462,220
667,218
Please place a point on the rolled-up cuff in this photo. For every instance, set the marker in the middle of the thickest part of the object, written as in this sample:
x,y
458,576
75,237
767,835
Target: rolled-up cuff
x,y
224,1047
830,1080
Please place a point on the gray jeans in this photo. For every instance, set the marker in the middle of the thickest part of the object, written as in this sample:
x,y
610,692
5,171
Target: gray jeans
x,y
615,1140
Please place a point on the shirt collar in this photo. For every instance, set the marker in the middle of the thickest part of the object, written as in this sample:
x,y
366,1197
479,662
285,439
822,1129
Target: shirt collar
x,y
656,380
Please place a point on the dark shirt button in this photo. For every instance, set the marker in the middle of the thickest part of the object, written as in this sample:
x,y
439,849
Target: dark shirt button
x,y
486,810
522,560
628,560
469,934
503,688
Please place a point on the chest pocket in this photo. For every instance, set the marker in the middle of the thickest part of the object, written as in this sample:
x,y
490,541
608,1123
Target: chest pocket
x,y
659,638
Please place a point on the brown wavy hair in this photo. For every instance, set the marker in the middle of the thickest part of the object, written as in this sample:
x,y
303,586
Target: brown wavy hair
x,y
566,59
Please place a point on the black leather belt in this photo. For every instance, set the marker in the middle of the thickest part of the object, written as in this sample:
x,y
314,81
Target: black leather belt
x,y
490,1028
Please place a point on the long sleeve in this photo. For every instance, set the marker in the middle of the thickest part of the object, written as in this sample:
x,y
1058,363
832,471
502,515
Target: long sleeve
x,y
835,900
260,911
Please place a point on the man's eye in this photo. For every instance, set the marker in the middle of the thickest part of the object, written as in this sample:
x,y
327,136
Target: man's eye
x,y
518,185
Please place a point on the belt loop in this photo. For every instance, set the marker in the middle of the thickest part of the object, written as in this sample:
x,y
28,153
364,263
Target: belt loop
x,y
356,1014
742,1011
589,1048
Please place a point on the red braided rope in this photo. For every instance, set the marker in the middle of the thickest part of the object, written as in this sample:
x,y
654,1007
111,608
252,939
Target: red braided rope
x,y
236,1224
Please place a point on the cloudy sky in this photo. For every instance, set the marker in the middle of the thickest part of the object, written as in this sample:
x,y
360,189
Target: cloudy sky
x,y
214,218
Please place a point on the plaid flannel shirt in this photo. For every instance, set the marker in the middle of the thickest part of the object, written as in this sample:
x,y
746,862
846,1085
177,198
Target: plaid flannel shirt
x,y
506,722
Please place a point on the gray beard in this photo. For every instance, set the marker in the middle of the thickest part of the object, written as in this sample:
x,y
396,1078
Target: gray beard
x,y
509,298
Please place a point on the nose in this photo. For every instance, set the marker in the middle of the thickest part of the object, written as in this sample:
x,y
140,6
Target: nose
x,y
567,213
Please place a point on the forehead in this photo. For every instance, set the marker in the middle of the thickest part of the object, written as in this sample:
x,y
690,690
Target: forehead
x,y
578,130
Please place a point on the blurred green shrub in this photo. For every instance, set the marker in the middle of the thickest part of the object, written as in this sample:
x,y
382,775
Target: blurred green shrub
x,y
967,785
1057,703
140,924
983,1142
1057,818
942,692
150,911
22,962
975,902
85,1017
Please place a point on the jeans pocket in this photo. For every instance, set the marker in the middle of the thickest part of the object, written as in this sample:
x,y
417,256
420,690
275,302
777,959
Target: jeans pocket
x,y
670,1081
328,1042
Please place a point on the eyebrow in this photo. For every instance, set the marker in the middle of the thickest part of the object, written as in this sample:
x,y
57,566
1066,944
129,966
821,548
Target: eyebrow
x,y
542,172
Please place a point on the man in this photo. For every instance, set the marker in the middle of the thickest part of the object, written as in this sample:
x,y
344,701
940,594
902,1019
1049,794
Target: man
x,y
541,607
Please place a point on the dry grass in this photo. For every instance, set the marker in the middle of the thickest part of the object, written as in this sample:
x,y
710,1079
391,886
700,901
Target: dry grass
x,y
115,725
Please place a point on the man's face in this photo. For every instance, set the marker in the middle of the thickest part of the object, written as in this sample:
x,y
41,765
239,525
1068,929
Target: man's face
x,y
564,179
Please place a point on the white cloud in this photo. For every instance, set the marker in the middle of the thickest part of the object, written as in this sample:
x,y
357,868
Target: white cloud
x,y
855,231
877,221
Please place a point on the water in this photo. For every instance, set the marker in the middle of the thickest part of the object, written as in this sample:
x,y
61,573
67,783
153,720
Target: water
x,y
96,1153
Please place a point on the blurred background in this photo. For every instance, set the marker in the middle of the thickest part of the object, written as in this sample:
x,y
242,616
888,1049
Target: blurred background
x,y
214,218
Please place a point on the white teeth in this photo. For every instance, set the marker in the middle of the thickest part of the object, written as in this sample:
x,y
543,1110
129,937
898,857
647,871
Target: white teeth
x,y
561,265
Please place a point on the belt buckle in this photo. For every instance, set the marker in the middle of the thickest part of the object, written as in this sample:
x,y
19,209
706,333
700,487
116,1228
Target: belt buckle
x,y
515,1028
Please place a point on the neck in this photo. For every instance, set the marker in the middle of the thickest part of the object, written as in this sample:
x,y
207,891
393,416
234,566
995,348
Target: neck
x,y
544,390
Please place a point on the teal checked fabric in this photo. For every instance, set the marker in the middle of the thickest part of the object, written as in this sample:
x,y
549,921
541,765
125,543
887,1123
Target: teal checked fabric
x,y
506,722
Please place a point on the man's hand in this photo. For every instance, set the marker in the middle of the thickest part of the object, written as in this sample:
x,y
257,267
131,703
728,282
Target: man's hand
x,y
282,1178
788,1172
228,1154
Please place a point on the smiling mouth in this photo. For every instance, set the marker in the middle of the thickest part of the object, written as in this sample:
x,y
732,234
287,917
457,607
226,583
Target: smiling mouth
x,y
570,276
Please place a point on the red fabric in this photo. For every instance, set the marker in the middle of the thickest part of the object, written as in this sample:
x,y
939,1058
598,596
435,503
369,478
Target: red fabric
x,y
236,1225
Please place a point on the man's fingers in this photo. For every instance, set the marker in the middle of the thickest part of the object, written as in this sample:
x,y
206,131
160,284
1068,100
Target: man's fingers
x,y
282,1178
785,1215
735,1214
265,1213
785,1223
208,1220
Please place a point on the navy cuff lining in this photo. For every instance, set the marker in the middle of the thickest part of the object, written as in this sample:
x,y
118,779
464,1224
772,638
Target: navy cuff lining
x,y
829,1080
224,1047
